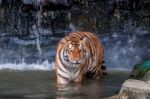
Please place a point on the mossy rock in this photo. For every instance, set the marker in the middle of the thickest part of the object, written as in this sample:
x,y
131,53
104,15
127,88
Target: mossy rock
x,y
146,77
141,70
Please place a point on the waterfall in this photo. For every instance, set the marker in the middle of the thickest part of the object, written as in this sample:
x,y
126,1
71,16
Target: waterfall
x,y
124,50
39,17
27,42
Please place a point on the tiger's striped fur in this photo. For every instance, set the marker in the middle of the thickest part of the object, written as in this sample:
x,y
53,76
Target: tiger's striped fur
x,y
78,54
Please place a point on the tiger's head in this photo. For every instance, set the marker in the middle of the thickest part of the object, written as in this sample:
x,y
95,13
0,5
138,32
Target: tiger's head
x,y
75,52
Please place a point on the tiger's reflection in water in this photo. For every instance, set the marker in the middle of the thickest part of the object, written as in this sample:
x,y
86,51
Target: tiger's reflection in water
x,y
71,91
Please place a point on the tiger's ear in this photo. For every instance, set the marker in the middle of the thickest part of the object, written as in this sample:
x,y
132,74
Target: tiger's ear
x,y
84,39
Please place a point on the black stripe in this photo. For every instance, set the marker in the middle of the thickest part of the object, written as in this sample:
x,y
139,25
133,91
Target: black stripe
x,y
62,76
103,62
76,70
103,67
94,69
77,76
70,70
97,74
104,72
76,35
61,60
61,69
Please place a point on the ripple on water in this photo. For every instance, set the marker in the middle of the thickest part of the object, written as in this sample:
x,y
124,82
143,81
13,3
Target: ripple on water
x,y
41,85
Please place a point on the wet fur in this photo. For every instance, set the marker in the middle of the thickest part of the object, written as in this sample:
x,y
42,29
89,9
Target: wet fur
x,y
79,54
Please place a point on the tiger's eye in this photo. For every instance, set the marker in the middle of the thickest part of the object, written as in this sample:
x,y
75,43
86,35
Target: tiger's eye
x,y
66,56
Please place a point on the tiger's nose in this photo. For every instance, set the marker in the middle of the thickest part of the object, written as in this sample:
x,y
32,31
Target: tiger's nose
x,y
77,61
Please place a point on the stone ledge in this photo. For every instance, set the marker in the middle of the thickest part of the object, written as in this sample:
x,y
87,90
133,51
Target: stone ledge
x,y
134,89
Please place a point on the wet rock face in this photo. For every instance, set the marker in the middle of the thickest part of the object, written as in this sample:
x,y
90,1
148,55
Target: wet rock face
x,y
31,27
45,1
60,15
134,89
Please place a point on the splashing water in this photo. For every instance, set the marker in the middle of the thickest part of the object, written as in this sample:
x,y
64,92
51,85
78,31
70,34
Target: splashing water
x,y
38,44
46,66
124,50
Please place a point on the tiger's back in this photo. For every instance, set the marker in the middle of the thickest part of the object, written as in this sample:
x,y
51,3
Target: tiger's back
x,y
85,57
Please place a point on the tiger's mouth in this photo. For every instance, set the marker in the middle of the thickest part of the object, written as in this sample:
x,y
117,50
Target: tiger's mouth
x,y
77,63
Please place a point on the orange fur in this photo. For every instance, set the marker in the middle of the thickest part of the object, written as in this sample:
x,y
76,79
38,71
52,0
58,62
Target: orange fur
x,y
78,54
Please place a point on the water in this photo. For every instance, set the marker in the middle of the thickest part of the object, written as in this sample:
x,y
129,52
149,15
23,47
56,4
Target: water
x,y
122,50
41,85
29,34
27,37
45,66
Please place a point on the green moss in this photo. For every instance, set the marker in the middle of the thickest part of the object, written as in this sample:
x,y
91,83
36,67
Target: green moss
x,y
140,70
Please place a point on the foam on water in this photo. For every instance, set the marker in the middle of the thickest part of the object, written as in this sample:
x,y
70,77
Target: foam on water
x,y
46,66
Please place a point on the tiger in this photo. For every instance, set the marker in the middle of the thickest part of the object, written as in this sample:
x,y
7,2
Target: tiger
x,y
79,55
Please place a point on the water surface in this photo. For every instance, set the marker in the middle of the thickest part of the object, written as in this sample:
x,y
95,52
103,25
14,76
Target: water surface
x,y
41,85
